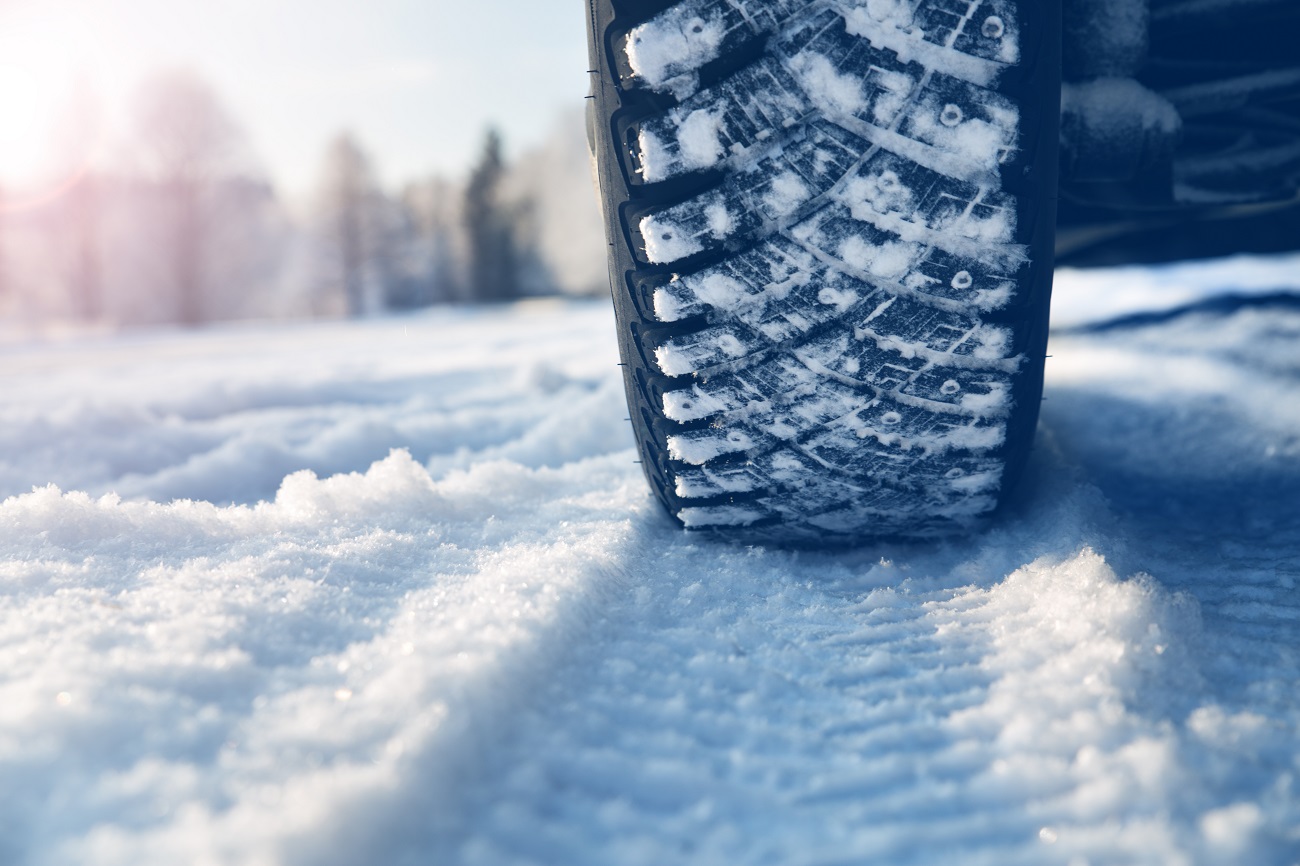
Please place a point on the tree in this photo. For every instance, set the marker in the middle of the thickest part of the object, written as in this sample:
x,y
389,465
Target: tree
x,y
560,228
83,226
4,283
77,139
350,196
433,209
188,143
493,264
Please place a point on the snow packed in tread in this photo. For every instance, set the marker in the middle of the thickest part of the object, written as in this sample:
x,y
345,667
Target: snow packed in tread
x,y
857,241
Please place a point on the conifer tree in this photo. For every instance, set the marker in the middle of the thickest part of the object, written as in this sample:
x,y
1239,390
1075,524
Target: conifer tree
x,y
493,267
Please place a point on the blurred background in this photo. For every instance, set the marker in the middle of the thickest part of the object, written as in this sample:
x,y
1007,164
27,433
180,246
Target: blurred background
x,y
179,161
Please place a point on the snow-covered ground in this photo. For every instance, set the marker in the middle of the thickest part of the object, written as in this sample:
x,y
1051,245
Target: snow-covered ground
x,y
395,592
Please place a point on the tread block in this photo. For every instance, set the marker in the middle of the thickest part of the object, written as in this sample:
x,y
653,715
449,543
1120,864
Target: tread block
x,y
667,52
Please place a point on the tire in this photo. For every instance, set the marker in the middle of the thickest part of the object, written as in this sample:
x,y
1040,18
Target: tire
x,y
830,231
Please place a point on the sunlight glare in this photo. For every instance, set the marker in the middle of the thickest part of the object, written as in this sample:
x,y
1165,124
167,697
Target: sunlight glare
x,y
49,121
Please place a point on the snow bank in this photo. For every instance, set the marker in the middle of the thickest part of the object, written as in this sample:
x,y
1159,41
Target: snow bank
x,y
396,592
1081,297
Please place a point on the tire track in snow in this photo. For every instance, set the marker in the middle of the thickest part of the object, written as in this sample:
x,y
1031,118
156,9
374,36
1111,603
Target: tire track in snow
x,y
239,687
1016,699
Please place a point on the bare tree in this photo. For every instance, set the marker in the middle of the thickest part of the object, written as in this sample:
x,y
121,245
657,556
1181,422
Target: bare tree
x,y
349,199
78,139
563,231
433,206
187,143
82,225
446,247
4,281
489,228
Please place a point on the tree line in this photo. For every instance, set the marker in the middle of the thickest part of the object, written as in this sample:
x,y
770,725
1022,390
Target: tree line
x,y
188,229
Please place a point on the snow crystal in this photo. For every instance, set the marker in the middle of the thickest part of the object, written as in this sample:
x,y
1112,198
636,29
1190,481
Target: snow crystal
x,y
1229,830
898,13
688,354
973,437
979,482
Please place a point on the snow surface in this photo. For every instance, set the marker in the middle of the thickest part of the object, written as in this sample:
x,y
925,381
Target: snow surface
x,y
395,592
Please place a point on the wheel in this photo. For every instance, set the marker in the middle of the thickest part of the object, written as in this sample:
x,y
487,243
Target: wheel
x,y
831,229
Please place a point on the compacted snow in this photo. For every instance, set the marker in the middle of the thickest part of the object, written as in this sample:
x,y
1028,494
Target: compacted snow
x,y
395,592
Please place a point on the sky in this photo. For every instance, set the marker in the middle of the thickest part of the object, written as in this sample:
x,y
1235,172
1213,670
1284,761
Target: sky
x,y
418,81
